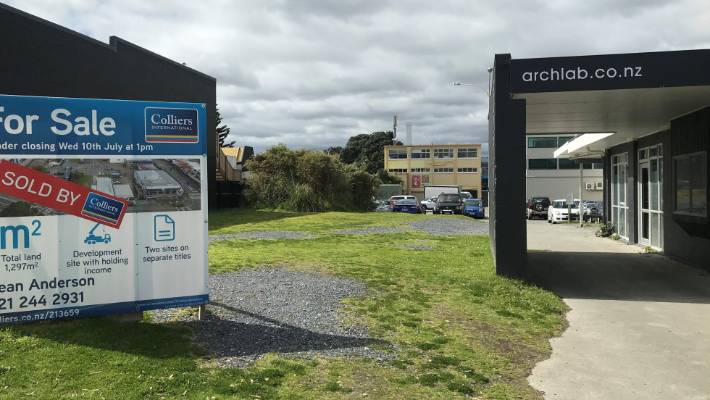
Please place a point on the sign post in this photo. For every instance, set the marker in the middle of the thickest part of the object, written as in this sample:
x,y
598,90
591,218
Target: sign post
x,y
103,207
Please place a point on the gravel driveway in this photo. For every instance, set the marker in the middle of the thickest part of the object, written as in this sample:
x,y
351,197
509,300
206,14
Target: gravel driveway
x,y
273,310
372,230
445,226
263,235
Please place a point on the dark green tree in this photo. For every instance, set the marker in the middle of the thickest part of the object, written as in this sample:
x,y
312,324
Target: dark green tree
x,y
333,150
223,132
367,150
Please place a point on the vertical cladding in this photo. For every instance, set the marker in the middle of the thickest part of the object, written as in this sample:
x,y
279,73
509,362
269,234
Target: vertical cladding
x,y
45,59
507,174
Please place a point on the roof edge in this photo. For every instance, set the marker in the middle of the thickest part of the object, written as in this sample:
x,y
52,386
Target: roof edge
x,y
114,41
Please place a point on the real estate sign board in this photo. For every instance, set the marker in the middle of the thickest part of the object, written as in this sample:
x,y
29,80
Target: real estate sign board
x,y
102,207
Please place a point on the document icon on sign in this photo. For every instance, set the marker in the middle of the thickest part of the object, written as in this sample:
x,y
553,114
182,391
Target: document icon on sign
x,y
163,228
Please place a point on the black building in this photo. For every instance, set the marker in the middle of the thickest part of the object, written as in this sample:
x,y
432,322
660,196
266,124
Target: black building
x,y
646,114
41,58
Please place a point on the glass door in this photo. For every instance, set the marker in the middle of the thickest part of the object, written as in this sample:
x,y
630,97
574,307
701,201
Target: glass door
x,y
619,209
650,189
645,220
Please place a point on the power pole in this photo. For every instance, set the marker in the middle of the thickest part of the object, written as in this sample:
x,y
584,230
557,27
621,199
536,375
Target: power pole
x,y
394,126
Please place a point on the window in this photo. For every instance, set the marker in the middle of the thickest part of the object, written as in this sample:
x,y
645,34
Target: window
x,y
592,164
398,154
468,170
421,169
468,153
443,170
421,153
563,139
398,170
443,153
542,163
542,142
566,163
690,184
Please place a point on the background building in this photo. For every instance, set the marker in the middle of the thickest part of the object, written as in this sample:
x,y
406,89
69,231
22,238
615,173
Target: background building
x,y
555,178
450,164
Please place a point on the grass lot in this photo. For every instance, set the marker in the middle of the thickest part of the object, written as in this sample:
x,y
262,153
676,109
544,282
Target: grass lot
x,y
460,330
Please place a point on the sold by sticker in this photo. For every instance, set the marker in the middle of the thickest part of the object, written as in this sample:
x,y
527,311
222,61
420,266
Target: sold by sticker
x,y
50,191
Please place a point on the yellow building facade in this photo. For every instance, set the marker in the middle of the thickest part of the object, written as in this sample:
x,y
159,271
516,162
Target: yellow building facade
x,y
450,164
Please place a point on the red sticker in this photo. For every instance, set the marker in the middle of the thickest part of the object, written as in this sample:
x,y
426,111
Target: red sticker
x,y
50,191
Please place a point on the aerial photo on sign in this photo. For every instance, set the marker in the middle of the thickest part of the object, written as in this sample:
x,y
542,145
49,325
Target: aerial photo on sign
x,y
145,184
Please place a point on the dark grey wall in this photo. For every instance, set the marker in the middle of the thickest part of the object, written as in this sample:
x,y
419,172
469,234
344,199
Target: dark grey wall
x,y
506,174
44,59
686,238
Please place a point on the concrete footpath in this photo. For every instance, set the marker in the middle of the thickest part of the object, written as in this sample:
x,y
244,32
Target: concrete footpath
x,y
639,325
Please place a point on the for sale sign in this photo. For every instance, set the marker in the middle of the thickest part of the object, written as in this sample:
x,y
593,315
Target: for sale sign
x,y
102,207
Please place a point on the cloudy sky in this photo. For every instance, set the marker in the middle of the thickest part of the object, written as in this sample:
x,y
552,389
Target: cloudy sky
x,y
311,73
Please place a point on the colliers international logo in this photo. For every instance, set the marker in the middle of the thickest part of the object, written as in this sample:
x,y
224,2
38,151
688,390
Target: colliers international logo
x,y
171,125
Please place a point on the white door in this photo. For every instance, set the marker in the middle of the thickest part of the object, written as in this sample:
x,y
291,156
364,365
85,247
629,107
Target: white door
x,y
619,209
650,192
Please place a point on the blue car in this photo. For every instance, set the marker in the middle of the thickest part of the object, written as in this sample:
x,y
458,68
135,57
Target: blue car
x,y
473,208
406,206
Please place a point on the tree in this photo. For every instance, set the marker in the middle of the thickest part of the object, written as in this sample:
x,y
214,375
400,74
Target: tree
x,y
223,132
306,180
333,150
368,150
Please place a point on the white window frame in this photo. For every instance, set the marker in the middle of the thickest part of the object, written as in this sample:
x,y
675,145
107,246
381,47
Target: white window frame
x,y
468,150
620,160
448,150
421,151
389,154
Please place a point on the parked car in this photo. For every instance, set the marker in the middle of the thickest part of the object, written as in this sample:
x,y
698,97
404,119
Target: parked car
x,y
381,205
428,204
398,197
473,208
537,207
466,195
406,205
592,210
448,203
559,211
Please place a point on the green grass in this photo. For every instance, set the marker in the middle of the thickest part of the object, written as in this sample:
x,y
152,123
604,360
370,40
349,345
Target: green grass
x,y
459,330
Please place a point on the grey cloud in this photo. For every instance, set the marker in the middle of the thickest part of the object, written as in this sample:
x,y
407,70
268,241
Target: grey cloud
x,y
311,73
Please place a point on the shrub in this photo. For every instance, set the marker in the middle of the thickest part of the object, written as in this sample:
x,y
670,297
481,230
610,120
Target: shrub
x,y
307,181
605,230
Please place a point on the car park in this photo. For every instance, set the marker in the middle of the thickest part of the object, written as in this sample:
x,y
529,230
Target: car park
x,y
448,203
560,211
473,208
407,206
537,207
